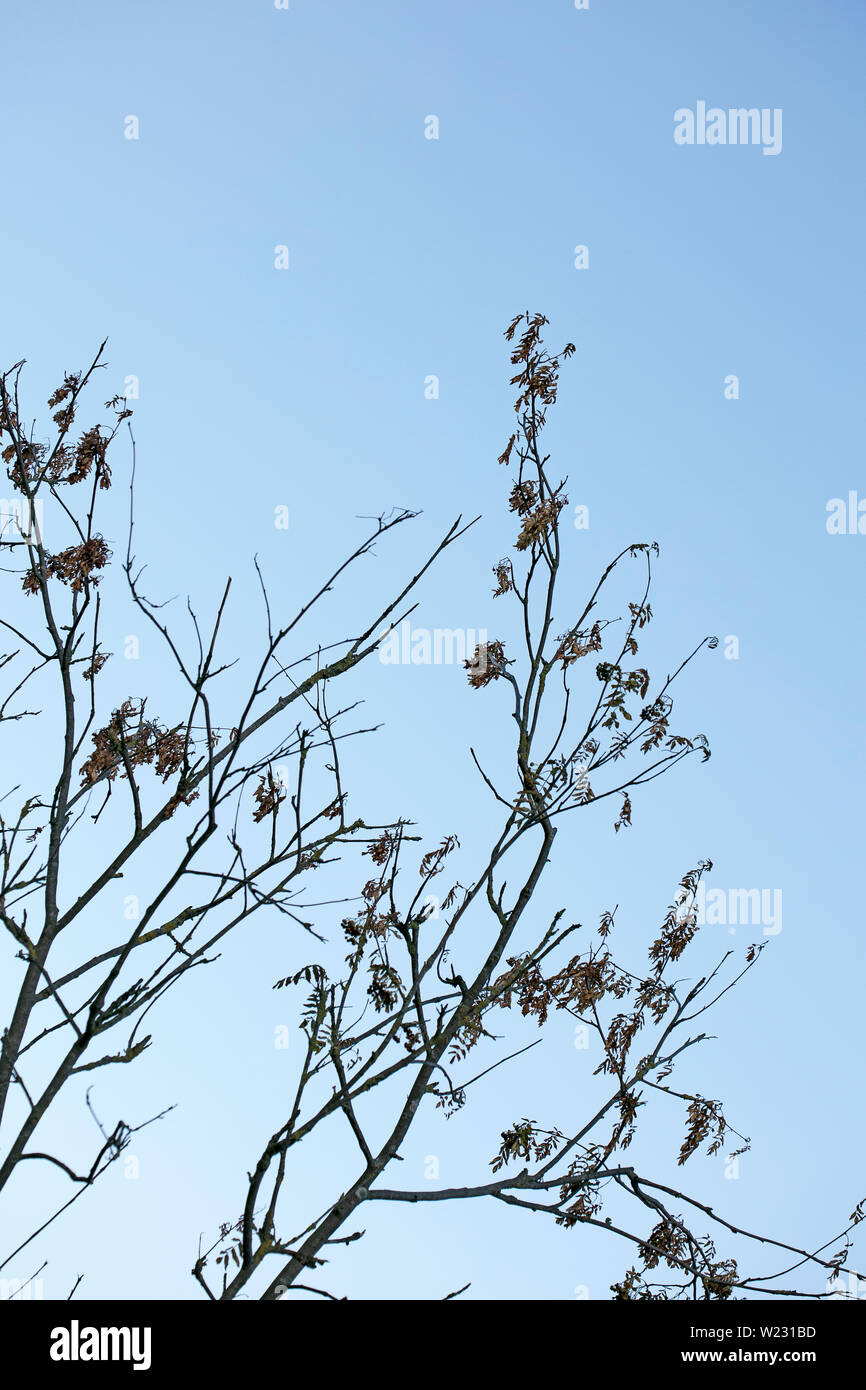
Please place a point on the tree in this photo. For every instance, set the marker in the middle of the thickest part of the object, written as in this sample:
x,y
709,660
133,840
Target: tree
x,y
402,995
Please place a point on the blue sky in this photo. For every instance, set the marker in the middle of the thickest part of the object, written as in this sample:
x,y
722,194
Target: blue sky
x,y
304,387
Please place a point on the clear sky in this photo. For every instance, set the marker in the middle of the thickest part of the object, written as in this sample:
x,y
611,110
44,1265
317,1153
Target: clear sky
x,y
304,128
